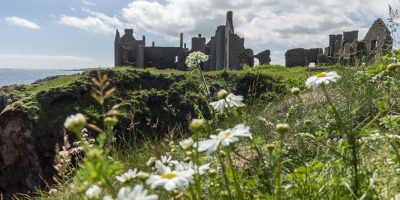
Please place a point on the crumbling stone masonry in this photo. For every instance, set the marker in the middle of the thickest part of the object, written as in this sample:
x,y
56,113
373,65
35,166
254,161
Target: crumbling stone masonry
x,y
225,50
301,57
346,48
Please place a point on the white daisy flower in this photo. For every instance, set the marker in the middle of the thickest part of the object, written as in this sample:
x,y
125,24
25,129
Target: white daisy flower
x,y
228,100
127,176
151,161
93,192
182,166
187,143
167,160
219,105
224,138
234,100
108,197
138,193
321,78
169,179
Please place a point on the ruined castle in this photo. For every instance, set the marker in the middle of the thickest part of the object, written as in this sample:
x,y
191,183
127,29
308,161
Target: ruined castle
x,y
225,50
345,48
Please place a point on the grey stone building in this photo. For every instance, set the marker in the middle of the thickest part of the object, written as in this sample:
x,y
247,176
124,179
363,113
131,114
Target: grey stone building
x,y
225,50
346,48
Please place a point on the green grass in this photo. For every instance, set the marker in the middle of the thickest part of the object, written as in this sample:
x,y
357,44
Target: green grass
x,y
313,160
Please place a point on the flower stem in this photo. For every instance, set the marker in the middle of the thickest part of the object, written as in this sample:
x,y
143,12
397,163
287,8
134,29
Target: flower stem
x,y
350,138
205,84
224,175
234,175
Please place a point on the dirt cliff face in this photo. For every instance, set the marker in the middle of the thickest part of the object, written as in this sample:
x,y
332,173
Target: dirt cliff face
x,y
20,171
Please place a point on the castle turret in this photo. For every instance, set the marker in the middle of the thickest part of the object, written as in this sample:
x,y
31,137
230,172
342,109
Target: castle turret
x,y
117,49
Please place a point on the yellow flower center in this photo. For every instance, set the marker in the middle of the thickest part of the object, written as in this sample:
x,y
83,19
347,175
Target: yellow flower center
x,y
168,176
320,75
228,133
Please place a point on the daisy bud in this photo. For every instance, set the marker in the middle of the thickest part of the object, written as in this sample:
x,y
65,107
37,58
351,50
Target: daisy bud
x,y
151,161
224,193
143,176
187,159
295,91
392,67
110,121
196,125
222,94
308,122
75,123
212,172
223,153
188,153
52,191
282,128
270,147
186,144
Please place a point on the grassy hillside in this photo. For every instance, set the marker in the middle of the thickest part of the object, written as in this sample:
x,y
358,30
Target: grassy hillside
x,y
340,141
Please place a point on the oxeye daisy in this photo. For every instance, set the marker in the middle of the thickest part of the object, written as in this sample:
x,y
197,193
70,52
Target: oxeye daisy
x,y
224,138
170,179
322,78
138,193
127,176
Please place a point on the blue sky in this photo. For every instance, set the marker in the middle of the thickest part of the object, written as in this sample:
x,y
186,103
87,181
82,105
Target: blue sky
x,y
67,34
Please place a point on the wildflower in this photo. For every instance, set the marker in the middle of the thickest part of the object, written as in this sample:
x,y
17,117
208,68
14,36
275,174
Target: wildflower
x,y
127,176
224,138
234,100
322,78
151,161
75,123
138,193
219,105
229,100
53,191
393,67
76,150
196,124
194,59
93,192
107,197
169,179
282,128
295,91
182,166
167,160
186,144
222,94
110,121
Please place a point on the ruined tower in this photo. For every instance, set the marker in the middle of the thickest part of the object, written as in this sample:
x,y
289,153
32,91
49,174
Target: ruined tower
x,y
117,49
378,39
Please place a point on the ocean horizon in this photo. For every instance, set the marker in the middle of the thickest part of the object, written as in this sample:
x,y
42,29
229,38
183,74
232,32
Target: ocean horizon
x,y
9,76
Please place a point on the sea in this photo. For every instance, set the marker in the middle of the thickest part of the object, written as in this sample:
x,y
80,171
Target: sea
x,y
28,76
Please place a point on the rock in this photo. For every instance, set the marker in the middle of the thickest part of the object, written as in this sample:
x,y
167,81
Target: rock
x,y
20,171
47,79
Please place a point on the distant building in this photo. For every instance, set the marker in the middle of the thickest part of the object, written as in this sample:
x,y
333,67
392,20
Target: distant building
x,y
225,50
345,48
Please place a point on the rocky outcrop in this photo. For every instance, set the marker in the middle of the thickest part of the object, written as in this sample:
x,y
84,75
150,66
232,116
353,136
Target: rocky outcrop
x,y
20,171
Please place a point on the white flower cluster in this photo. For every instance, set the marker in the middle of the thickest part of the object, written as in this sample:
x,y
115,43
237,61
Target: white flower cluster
x,y
75,123
194,59
227,101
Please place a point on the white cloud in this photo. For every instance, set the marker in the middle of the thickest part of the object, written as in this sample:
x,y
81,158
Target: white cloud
x,y
88,3
17,21
48,61
96,22
265,24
